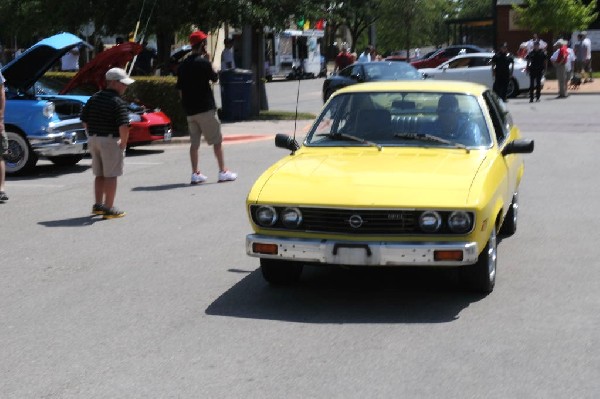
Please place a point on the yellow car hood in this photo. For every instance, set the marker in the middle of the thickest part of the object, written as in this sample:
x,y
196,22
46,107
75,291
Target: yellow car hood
x,y
393,177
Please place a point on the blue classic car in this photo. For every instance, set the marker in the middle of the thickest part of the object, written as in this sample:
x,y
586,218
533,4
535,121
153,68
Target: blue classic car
x,y
41,126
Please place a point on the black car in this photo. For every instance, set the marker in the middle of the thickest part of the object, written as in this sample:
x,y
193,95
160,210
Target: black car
x,y
361,72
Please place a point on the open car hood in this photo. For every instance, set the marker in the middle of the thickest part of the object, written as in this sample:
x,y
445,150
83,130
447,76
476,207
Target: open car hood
x,y
93,72
22,72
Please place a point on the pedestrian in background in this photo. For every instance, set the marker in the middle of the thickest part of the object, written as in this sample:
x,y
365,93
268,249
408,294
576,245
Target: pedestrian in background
x,y
227,60
503,65
537,63
587,62
194,77
106,120
3,141
559,59
70,61
367,55
342,60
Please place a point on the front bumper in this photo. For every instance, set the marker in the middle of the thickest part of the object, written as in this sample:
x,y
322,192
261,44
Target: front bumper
x,y
365,253
63,138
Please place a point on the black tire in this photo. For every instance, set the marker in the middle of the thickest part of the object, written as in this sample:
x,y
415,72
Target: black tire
x,y
512,90
66,160
481,277
20,158
509,226
280,272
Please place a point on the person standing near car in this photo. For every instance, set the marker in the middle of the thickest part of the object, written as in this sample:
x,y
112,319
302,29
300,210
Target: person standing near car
x,y
537,63
194,78
106,120
503,65
342,60
3,141
559,59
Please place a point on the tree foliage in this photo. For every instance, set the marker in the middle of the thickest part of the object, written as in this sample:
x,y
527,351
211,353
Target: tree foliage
x,y
556,16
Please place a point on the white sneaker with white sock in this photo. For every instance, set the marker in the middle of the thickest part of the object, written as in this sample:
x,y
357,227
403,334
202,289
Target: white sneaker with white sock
x,y
227,175
198,178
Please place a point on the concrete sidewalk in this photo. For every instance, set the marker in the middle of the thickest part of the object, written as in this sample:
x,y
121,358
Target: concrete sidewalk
x,y
551,88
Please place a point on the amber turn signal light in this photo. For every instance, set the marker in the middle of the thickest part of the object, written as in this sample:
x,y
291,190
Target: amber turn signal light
x,y
448,255
268,249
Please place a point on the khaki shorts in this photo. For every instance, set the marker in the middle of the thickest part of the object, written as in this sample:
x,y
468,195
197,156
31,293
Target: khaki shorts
x,y
3,144
107,156
207,124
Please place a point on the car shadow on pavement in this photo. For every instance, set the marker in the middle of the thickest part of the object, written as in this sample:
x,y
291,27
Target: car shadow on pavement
x,y
73,222
361,295
42,171
135,152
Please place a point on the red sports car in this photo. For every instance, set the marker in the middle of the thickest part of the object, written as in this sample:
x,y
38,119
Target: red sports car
x,y
444,54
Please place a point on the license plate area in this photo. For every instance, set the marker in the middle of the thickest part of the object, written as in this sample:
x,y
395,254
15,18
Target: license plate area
x,y
351,254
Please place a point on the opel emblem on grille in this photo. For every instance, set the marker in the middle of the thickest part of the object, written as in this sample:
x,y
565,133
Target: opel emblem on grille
x,y
355,221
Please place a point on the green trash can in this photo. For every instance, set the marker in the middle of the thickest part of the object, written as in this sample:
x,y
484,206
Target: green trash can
x,y
236,94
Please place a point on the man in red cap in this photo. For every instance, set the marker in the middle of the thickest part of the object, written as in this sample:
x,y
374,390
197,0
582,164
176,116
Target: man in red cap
x,y
194,77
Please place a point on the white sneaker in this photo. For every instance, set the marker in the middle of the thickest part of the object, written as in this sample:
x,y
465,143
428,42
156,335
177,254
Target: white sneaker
x,y
227,175
198,178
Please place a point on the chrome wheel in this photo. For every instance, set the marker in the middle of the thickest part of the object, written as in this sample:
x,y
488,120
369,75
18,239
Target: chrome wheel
x,y
19,158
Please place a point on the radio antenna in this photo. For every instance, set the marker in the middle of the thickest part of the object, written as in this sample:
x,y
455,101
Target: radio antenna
x,y
296,116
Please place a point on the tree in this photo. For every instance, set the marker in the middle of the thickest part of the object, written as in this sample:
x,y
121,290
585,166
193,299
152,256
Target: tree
x,y
555,16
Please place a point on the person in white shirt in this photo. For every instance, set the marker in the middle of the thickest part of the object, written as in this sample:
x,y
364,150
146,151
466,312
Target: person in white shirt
x,y
587,62
534,39
70,61
227,60
365,56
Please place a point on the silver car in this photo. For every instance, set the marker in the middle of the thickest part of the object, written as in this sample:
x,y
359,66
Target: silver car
x,y
477,68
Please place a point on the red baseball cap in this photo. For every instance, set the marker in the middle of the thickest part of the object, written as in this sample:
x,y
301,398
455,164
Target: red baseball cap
x,y
197,37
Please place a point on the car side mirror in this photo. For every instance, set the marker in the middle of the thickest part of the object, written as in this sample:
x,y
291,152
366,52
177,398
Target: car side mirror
x,y
356,77
284,141
518,147
445,67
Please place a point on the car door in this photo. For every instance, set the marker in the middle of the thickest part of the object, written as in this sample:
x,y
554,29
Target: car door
x,y
480,70
456,69
503,125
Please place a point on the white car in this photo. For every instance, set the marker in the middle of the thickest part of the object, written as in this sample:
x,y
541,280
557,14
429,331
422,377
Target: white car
x,y
477,68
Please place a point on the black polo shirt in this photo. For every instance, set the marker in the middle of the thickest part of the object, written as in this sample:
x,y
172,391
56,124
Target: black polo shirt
x,y
502,62
193,80
104,113
536,60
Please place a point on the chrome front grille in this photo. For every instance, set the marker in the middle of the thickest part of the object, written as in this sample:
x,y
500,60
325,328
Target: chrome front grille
x,y
359,221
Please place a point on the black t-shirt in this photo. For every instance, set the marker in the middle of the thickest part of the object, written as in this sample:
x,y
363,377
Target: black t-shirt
x,y
193,79
502,62
537,60
104,113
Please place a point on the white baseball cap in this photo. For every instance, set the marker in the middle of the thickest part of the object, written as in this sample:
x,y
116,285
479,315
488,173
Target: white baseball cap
x,y
119,75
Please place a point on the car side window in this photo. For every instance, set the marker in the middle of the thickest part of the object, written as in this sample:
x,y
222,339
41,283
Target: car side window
x,y
501,119
479,62
460,63
451,52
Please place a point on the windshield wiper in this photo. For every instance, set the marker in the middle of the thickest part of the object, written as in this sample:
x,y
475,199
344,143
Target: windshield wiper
x,y
358,139
432,138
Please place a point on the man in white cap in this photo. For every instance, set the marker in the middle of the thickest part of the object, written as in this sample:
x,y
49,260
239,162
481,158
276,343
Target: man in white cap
x,y
106,120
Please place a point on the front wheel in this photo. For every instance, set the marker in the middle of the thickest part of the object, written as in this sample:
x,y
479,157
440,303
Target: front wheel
x,y
513,88
481,277
280,272
20,158
66,160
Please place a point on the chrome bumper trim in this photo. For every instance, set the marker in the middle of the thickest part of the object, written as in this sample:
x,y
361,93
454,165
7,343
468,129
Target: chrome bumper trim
x,y
365,253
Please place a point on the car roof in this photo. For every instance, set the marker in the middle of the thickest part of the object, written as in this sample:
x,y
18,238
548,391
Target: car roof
x,y
432,86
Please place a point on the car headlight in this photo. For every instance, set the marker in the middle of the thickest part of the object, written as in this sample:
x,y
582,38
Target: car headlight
x,y
266,216
291,217
430,221
48,110
459,222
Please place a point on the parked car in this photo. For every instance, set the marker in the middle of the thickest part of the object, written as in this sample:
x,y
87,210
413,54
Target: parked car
x,y
36,126
445,54
379,180
42,121
369,72
146,124
477,68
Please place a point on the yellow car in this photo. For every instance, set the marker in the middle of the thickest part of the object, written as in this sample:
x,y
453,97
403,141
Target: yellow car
x,y
393,174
